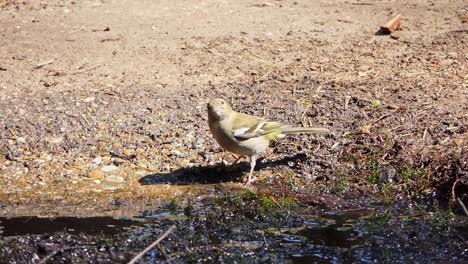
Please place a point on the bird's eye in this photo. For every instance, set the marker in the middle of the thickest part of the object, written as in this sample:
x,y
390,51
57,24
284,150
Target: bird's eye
x,y
222,102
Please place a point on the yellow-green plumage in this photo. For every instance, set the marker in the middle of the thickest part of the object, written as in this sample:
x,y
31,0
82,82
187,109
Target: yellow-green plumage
x,y
247,135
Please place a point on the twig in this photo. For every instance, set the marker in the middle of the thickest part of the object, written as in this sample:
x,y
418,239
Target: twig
x,y
263,5
445,140
90,69
50,256
110,39
266,74
163,251
42,64
305,111
462,205
256,55
264,239
13,132
141,254
454,195
319,88
385,116
362,3
424,134
346,102
274,200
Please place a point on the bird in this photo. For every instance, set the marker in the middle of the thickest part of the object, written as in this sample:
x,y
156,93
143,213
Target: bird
x,y
247,135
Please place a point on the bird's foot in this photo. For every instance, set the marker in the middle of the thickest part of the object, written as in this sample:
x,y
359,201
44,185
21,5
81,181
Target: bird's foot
x,y
249,182
231,167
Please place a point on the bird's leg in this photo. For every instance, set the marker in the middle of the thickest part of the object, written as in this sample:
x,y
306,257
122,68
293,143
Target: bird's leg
x,y
253,160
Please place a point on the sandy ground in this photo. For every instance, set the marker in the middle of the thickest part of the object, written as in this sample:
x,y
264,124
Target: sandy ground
x,y
104,101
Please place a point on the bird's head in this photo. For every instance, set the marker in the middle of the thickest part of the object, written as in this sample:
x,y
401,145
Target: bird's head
x,y
218,108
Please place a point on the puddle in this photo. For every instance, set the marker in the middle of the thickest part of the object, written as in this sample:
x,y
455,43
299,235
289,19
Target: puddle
x,y
358,236
20,226
334,229
236,228
332,236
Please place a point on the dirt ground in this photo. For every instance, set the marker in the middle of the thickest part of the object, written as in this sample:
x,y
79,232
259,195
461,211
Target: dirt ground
x,y
103,103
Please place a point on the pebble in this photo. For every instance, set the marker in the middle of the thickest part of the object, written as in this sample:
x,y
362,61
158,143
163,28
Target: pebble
x,y
21,139
96,174
54,140
113,182
89,99
114,179
109,168
176,153
198,143
110,187
118,161
97,160
68,173
126,152
141,173
60,109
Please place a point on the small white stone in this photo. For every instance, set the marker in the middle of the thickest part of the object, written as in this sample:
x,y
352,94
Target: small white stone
x,y
97,160
110,187
54,140
109,168
114,179
89,99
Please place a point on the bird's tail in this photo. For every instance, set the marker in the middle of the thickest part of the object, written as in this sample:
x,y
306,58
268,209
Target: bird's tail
x,y
297,130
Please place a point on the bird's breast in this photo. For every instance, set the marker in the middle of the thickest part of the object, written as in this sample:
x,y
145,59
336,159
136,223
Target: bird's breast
x,y
222,135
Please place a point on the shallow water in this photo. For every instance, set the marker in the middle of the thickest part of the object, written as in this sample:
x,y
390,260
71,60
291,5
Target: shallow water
x,y
212,234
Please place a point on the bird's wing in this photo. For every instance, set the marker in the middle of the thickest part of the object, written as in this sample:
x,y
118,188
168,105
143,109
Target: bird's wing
x,y
247,126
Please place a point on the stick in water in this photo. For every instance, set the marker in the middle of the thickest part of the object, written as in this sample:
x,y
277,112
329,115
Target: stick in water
x,y
141,254
462,205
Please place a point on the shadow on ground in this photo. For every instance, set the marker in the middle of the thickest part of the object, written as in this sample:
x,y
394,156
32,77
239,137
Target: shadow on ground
x,y
213,174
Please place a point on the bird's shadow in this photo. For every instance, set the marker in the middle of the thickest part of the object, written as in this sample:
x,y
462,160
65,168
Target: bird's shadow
x,y
213,174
